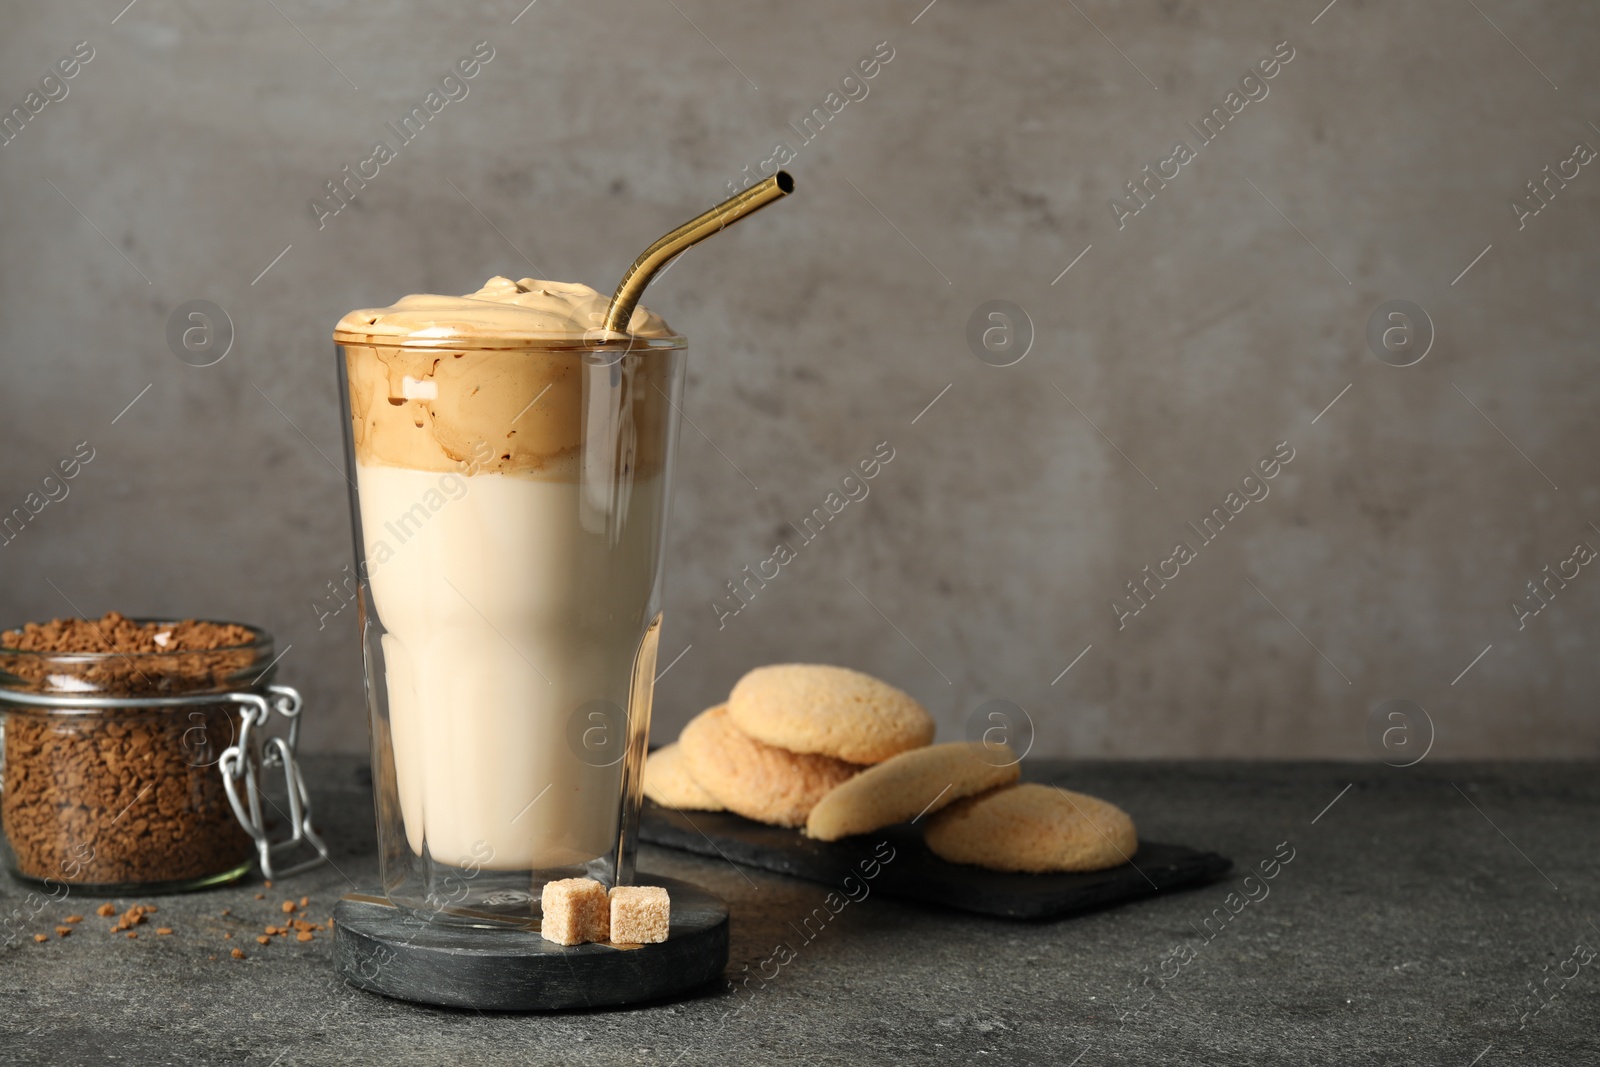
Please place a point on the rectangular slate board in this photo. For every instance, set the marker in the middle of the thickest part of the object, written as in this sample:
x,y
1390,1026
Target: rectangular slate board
x,y
915,873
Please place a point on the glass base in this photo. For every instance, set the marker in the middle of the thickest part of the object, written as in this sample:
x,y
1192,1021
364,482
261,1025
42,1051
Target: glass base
x,y
485,899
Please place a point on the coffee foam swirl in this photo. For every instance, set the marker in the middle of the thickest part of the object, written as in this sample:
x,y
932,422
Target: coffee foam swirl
x,y
504,313
504,411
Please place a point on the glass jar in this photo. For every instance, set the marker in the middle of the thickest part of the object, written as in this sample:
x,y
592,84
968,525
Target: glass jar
x,y
125,771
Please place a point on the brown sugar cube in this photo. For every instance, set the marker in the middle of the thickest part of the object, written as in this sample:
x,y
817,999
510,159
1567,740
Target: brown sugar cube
x,y
640,914
106,910
575,911
237,953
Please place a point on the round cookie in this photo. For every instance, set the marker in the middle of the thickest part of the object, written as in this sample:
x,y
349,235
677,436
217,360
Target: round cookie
x,y
756,780
831,711
667,782
903,787
1033,828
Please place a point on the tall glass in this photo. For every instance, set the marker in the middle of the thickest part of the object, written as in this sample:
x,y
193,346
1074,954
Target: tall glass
x,y
510,510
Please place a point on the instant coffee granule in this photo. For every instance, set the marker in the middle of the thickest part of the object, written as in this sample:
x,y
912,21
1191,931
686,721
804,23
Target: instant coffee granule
x,y
116,656
122,795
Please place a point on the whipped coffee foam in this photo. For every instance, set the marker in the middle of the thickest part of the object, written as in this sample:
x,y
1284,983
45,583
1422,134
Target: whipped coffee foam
x,y
502,311
432,387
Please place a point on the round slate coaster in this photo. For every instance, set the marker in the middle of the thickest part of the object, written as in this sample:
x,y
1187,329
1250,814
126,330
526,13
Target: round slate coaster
x,y
383,949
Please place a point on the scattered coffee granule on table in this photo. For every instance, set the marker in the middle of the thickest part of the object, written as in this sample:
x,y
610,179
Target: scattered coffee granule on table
x,y
63,931
74,918
106,910
261,896
164,931
263,940
303,935
227,911
41,938
237,953
227,937
132,934
288,907
305,902
115,795
266,882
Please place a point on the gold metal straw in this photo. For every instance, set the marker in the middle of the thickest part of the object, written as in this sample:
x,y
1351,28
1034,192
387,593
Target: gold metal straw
x,y
652,259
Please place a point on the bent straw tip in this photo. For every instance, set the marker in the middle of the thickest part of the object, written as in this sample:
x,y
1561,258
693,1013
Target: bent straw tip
x,y
654,258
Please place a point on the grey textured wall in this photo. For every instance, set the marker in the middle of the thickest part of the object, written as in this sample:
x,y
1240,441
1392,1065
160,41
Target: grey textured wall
x,y
1177,351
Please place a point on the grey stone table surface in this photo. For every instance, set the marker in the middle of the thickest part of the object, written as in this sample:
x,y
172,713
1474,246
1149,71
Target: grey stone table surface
x,y
1416,917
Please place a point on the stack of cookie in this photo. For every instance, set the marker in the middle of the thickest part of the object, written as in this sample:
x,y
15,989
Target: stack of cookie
x,y
839,753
